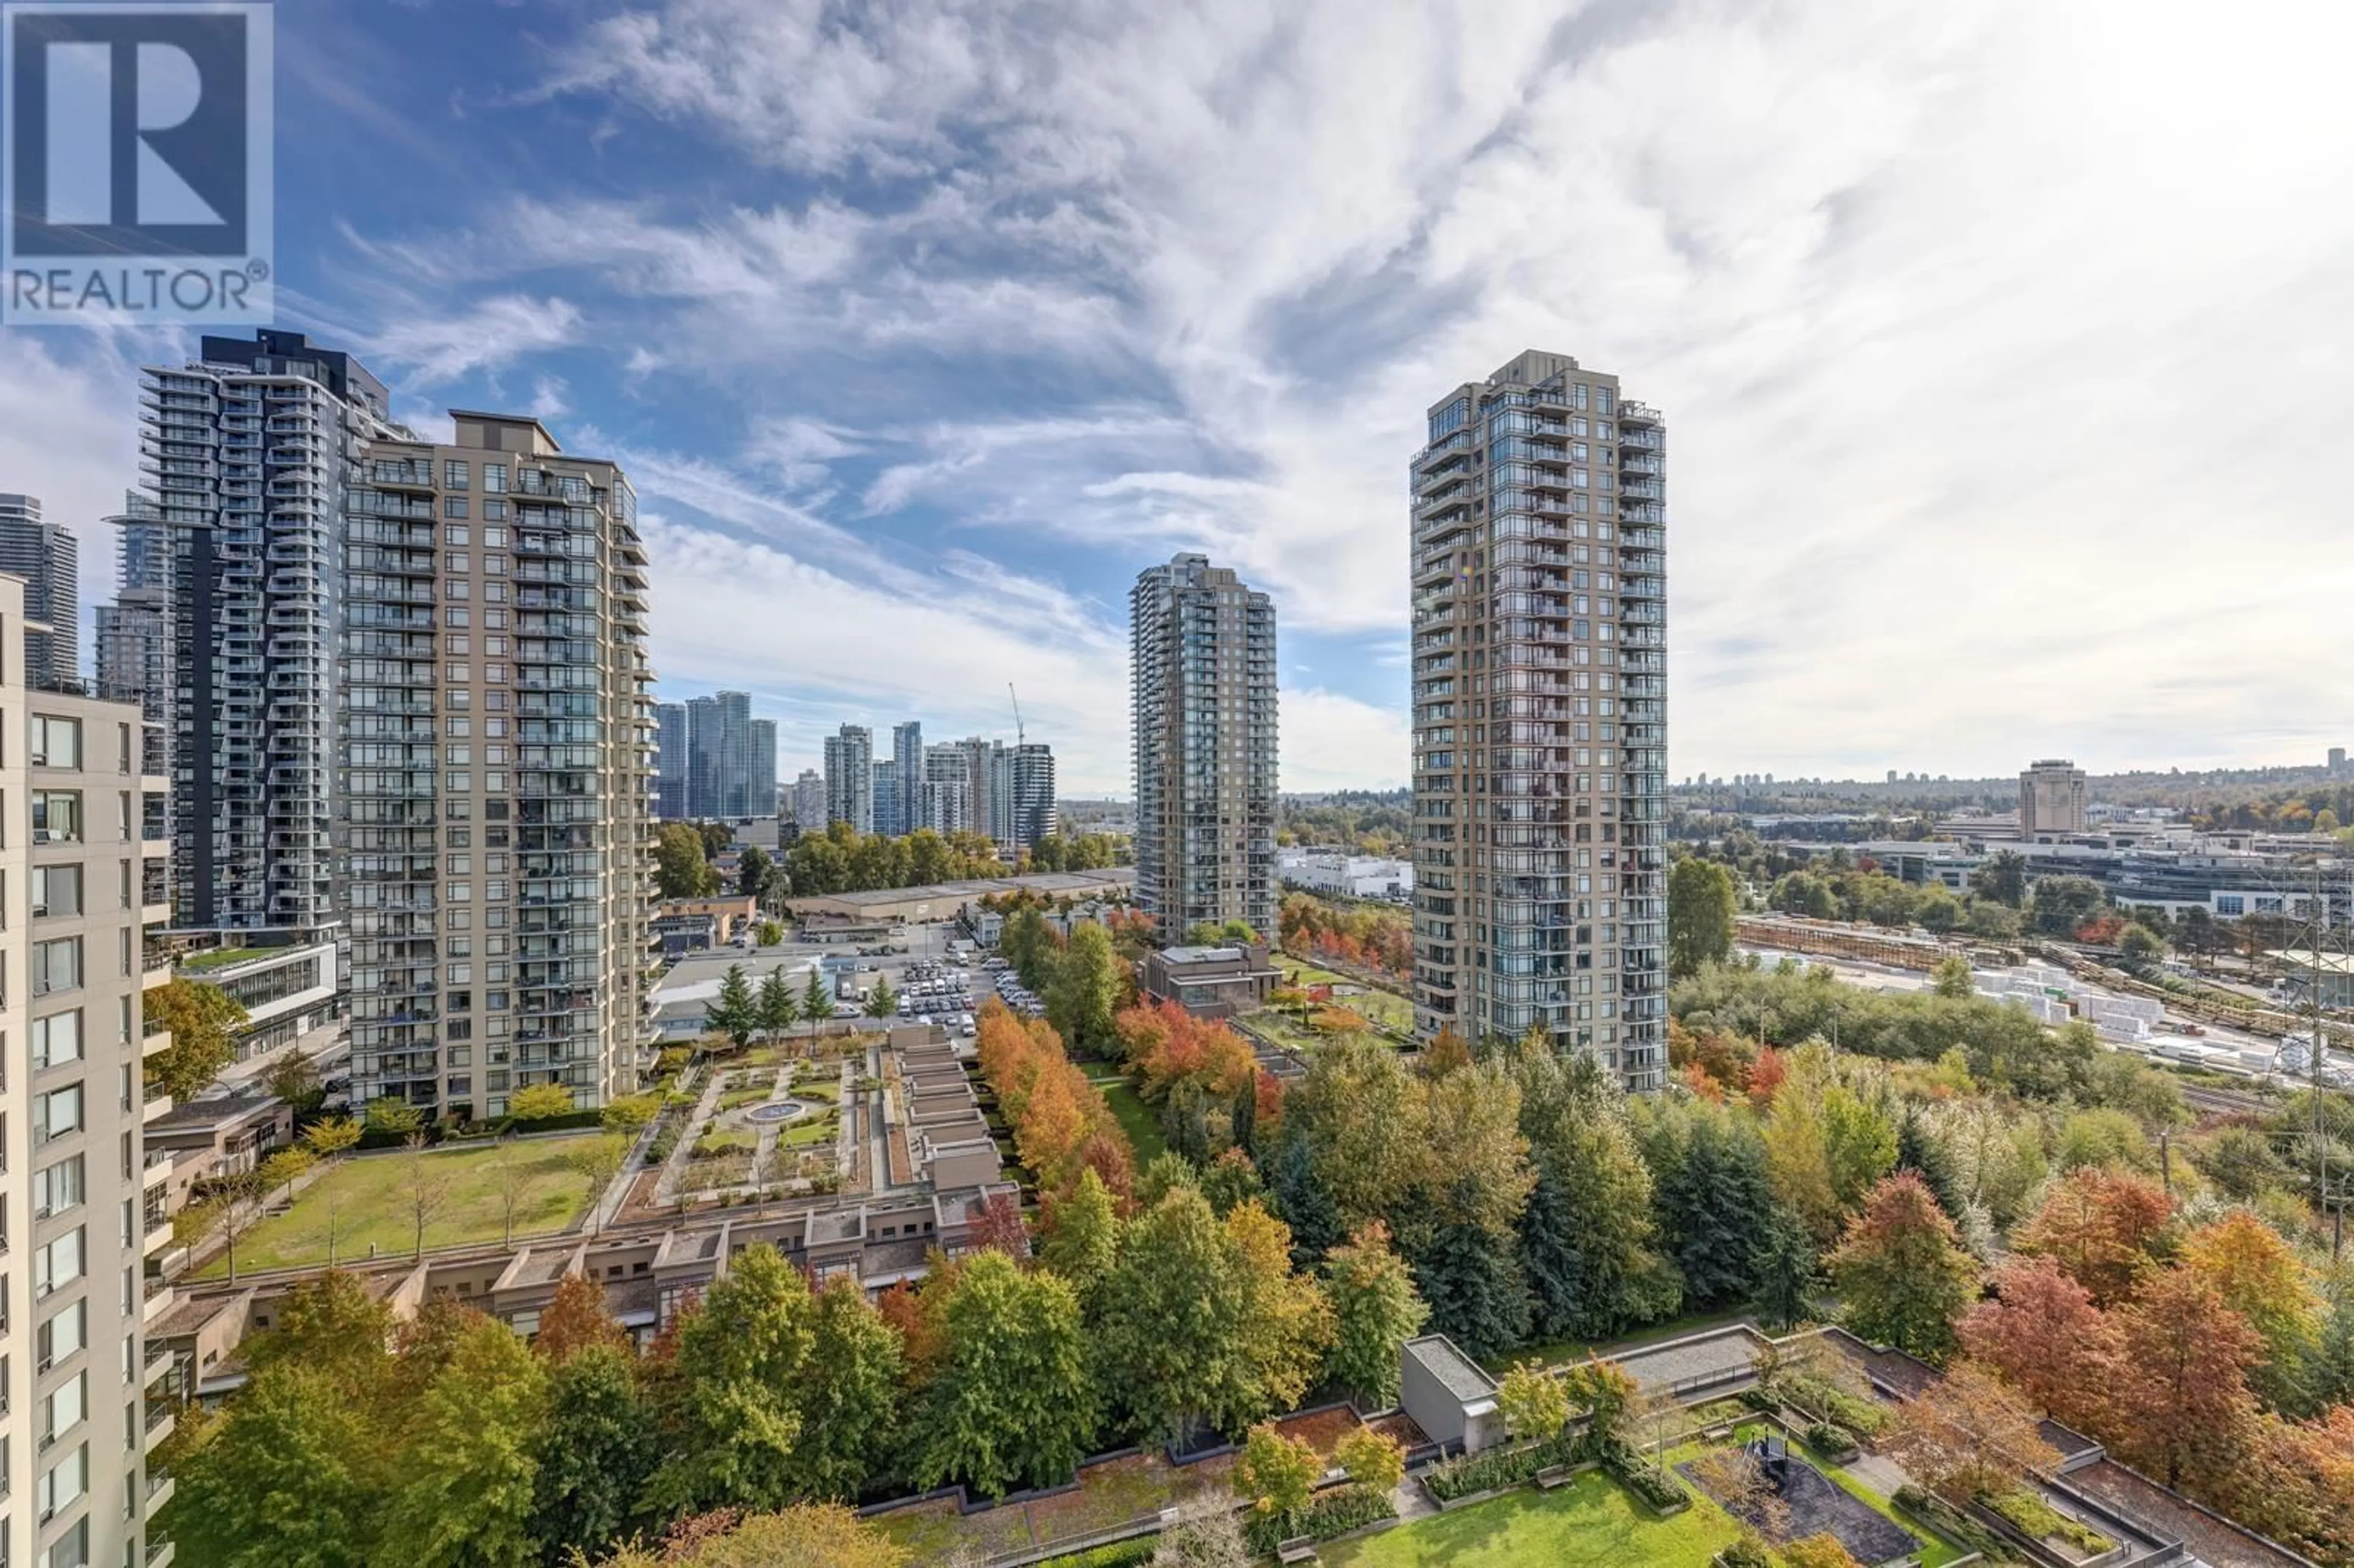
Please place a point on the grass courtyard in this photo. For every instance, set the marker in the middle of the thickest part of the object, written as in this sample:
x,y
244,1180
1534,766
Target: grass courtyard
x,y
1136,1119
365,1201
1589,1523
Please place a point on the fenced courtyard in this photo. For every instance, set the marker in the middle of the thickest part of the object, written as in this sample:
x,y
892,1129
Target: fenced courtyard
x,y
367,1204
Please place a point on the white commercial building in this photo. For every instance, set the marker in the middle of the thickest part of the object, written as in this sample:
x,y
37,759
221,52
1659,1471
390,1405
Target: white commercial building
x,y
1342,875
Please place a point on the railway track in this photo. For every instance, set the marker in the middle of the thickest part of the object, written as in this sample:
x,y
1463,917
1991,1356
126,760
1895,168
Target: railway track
x,y
2229,1102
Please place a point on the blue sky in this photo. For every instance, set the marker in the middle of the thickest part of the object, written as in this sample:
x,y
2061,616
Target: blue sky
x,y
2001,346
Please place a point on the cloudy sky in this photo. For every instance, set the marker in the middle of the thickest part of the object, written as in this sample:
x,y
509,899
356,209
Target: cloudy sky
x,y
2004,347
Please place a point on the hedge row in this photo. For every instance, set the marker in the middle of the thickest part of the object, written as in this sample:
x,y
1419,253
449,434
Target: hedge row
x,y
1627,1468
1930,1508
1327,1514
1497,1468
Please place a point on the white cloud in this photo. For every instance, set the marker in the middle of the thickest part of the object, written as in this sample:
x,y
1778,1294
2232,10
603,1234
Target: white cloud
x,y
432,346
2000,382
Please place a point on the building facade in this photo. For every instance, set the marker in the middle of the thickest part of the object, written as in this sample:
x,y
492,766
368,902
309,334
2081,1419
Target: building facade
x,y
83,1395
907,760
850,777
887,797
1540,715
2051,799
496,742
1021,795
249,454
947,790
670,761
1202,721
45,556
809,800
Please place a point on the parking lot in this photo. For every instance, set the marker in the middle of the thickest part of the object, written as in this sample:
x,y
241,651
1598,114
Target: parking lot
x,y
939,979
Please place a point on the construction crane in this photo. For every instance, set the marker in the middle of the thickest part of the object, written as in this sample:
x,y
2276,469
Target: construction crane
x,y
1020,736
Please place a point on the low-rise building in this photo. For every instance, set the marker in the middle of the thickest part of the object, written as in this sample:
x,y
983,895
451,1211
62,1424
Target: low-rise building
x,y
284,980
1340,875
1209,983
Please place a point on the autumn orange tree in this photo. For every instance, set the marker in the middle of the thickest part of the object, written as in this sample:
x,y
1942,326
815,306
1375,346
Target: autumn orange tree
x,y
2183,1410
2101,1226
2041,1331
1900,1269
2258,1275
1061,1123
1969,1433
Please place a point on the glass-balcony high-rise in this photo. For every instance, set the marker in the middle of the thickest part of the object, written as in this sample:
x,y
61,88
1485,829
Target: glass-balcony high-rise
x,y
1202,700
495,748
1540,715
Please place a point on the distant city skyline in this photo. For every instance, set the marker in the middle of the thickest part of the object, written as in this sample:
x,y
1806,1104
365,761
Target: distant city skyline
x,y
1955,440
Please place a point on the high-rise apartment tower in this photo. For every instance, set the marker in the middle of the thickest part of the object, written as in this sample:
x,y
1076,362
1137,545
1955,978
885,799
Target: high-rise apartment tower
x,y
1202,712
496,737
248,454
908,756
84,1398
850,777
1539,716
45,557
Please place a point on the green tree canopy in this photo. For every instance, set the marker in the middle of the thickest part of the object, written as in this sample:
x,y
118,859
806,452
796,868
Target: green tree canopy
x,y
203,1020
1700,905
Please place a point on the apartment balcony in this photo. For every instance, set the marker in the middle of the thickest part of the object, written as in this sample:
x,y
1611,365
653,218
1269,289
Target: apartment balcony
x,y
1641,415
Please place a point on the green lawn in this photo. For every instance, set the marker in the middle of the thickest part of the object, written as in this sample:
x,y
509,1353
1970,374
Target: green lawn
x,y
369,1200
1589,1523
1139,1120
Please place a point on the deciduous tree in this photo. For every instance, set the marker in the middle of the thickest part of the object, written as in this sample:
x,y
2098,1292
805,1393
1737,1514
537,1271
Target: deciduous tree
x,y
203,1020
1370,1459
2101,1226
540,1102
597,1450
1374,1311
2183,1412
1532,1401
466,1476
2041,1329
1013,1401
848,1395
735,1418
1901,1271
1700,905
1967,1434
1275,1472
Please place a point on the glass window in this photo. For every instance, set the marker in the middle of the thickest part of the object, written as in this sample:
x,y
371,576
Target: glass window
x,y
453,474
58,1264
56,1114
56,1040
65,1333
57,1188
56,816
57,890
63,1483
56,966
454,506
57,742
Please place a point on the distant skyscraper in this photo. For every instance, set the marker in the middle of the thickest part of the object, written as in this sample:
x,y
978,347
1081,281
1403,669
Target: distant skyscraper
x,y
850,777
2050,798
1203,712
670,761
886,794
1021,795
908,752
1539,670
727,760
809,800
760,789
45,557
236,561
947,790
